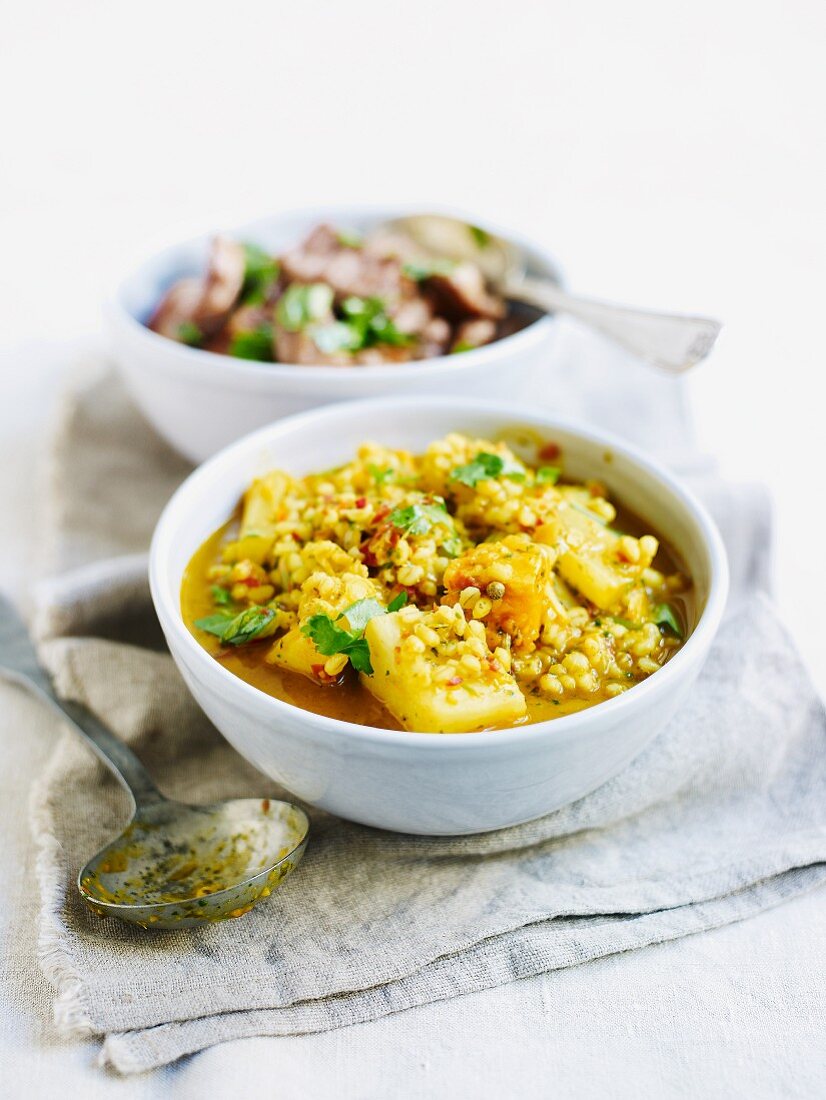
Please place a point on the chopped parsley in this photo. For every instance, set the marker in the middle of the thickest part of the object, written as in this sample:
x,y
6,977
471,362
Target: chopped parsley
x,y
484,466
189,333
300,305
235,629
330,639
253,344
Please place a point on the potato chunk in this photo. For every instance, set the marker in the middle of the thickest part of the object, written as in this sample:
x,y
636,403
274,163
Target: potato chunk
x,y
321,594
433,680
518,574
587,555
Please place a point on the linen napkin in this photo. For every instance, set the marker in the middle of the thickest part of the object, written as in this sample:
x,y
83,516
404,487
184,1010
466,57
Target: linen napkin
x,y
722,816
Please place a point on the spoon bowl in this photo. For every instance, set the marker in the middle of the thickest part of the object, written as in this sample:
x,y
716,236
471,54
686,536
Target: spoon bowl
x,y
176,865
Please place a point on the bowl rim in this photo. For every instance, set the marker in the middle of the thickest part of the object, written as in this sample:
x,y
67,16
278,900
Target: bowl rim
x,y
628,703
205,363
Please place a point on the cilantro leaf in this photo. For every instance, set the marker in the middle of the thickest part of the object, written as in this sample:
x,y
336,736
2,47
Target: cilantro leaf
x,y
452,546
299,305
417,519
548,475
240,629
663,615
359,614
254,344
329,638
189,333
484,466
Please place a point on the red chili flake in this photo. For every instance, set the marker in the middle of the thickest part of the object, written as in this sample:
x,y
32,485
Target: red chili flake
x,y
250,582
361,502
550,451
454,681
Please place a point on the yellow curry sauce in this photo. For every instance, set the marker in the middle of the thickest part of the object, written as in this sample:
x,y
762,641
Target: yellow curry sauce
x,y
484,591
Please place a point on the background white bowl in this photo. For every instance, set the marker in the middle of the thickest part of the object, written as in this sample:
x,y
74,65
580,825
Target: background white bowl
x,y
433,783
200,401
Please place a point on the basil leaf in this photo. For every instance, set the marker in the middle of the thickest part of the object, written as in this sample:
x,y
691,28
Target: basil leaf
x,y
215,624
663,615
255,344
548,475
239,629
299,305
485,466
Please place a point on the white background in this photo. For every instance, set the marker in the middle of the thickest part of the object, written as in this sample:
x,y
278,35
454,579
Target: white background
x,y
671,155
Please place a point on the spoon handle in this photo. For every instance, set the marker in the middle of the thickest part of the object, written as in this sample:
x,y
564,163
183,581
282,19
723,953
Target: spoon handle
x,y
18,662
672,342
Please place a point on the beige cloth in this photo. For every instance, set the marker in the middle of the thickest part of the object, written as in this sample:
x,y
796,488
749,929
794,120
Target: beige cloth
x,y
723,816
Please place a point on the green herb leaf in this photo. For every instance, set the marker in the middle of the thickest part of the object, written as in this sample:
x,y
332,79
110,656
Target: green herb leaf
x,y
663,615
548,475
397,603
419,270
300,305
452,546
484,466
349,238
371,324
359,614
189,333
260,275
337,336
481,237
460,346
417,519
220,596
255,344
240,629
381,476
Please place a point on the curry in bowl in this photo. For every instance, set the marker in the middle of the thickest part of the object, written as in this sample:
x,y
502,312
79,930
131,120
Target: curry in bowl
x,y
458,590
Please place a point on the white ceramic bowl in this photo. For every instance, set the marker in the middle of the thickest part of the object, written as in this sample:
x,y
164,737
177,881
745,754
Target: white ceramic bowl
x,y
433,783
200,401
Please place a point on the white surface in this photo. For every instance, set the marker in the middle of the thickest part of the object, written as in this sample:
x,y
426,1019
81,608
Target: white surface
x,y
670,156
414,782
200,401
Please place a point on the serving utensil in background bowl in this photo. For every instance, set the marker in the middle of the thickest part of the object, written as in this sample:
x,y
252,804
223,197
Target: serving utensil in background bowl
x,y
670,341
435,783
199,401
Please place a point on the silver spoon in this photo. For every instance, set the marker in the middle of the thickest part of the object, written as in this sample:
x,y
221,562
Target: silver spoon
x,y
174,865
672,342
